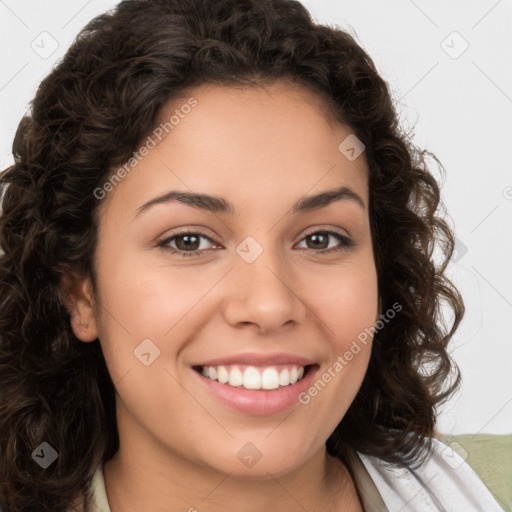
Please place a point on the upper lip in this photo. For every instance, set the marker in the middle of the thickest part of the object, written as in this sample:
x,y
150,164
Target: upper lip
x,y
258,359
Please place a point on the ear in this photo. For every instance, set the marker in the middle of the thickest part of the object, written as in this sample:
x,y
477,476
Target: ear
x,y
78,297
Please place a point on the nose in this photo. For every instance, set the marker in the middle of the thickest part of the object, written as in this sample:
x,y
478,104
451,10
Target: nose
x,y
263,294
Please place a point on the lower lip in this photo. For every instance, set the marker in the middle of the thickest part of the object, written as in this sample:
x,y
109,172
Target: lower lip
x,y
259,402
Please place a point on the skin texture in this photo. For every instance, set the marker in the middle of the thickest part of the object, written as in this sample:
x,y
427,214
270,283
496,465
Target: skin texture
x,y
262,149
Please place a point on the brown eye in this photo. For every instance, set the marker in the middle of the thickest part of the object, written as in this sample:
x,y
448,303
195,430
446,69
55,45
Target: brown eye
x,y
187,243
319,241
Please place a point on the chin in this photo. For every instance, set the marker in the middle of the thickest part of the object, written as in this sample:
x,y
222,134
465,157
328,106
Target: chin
x,y
256,460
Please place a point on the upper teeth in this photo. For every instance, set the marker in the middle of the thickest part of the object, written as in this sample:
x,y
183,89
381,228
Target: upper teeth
x,y
252,377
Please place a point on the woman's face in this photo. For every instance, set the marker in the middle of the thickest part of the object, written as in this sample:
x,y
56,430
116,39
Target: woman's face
x,y
258,289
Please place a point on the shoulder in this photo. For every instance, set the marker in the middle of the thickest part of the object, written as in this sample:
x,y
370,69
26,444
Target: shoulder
x,y
444,482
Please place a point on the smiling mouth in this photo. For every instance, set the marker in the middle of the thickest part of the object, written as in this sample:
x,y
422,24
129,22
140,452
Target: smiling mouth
x,y
255,377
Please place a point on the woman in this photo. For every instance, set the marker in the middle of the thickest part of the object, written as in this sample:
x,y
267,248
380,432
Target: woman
x,y
218,289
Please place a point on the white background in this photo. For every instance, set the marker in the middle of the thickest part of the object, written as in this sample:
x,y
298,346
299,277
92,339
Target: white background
x,y
460,107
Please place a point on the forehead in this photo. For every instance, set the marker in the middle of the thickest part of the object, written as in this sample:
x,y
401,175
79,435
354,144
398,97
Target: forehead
x,y
241,140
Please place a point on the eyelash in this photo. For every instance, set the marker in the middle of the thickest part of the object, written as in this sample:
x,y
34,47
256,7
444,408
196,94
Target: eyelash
x,y
347,243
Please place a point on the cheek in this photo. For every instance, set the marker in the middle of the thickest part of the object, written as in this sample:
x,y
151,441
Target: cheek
x,y
144,320
346,304
347,310
346,301
147,300
140,302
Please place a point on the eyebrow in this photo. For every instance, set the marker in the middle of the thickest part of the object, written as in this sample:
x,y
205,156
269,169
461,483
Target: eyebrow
x,y
217,204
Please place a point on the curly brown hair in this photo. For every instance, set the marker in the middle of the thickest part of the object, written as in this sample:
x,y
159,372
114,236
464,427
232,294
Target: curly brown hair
x,y
88,117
